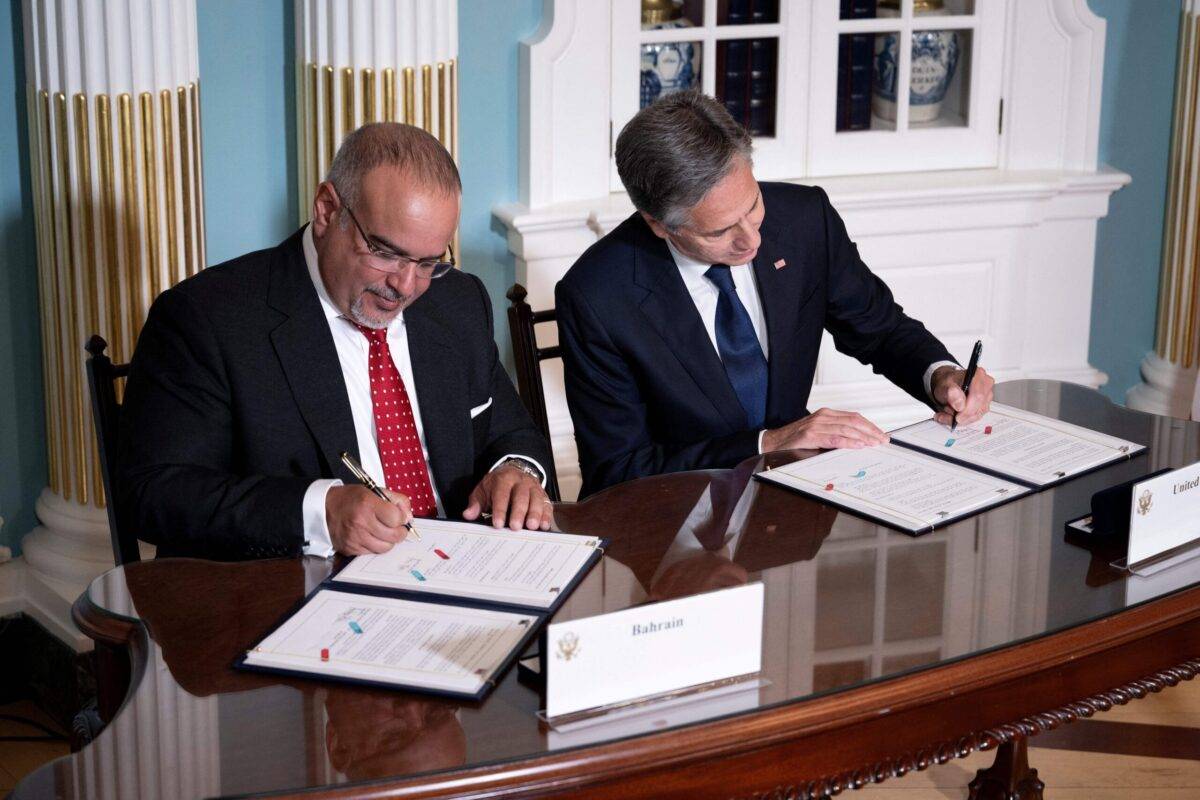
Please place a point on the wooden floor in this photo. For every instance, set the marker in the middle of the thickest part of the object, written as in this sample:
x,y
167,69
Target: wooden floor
x,y
1149,749
17,759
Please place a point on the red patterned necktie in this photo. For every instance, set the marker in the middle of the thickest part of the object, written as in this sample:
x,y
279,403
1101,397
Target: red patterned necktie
x,y
404,467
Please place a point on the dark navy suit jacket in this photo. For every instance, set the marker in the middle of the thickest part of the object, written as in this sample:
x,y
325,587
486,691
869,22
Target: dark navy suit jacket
x,y
646,388
236,403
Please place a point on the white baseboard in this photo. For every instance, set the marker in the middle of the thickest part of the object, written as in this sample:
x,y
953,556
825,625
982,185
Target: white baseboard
x,y
23,591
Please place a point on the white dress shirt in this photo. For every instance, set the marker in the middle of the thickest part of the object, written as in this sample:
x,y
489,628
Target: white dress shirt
x,y
686,544
705,294
353,351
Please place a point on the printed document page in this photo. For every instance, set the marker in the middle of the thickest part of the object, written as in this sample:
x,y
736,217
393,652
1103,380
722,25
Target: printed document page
x,y
395,641
895,485
1020,444
461,559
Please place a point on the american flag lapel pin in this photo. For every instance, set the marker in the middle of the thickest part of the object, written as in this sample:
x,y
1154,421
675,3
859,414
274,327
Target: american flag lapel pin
x,y
780,264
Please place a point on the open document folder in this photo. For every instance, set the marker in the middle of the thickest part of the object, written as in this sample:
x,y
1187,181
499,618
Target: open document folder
x,y
446,614
929,476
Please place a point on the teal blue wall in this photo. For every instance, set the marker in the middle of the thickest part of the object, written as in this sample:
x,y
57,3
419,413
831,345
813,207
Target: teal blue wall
x,y
22,423
1135,136
488,33
247,98
246,56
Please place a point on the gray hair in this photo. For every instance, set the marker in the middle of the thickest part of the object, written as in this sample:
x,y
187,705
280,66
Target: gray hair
x,y
391,144
675,150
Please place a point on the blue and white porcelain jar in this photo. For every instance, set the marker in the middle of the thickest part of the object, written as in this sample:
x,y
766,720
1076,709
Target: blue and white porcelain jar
x,y
667,66
934,60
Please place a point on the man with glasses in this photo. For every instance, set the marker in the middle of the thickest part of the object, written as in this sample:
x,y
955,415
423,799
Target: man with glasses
x,y
355,335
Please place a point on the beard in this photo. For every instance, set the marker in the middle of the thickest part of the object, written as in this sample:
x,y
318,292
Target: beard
x,y
360,314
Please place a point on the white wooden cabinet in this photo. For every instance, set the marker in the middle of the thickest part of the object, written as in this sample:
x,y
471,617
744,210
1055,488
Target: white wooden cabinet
x,y
982,229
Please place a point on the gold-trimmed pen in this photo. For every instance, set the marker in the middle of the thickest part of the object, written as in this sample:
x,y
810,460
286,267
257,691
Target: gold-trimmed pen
x,y
369,482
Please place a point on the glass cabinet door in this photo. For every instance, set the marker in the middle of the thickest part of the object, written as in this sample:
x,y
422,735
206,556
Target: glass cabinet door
x,y
903,85
738,51
826,87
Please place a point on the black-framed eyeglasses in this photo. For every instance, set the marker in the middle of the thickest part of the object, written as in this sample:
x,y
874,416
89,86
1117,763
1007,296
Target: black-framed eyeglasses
x,y
385,260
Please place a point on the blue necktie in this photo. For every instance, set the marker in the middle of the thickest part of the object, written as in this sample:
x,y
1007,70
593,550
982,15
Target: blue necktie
x,y
739,348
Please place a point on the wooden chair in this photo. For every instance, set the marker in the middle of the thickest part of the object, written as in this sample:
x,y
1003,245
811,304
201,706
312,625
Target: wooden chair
x,y
102,376
521,322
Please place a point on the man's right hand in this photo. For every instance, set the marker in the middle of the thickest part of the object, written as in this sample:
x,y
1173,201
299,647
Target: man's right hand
x,y
824,428
359,522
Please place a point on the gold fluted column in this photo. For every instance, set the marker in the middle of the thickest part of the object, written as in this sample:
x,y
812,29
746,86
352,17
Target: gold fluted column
x,y
1169,373
117,189
358,61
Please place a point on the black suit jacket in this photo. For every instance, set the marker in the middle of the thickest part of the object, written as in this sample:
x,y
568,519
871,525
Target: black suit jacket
x,y
646,388
236,403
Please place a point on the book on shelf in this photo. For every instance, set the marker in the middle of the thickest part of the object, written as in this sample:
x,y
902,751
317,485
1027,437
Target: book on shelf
x,y
855,70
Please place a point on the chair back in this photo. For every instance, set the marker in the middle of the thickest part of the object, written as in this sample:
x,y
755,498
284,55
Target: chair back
x,y
528,356
102,375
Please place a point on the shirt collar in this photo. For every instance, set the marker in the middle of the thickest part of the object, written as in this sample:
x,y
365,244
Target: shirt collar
x,y
691,269
310,260
685,262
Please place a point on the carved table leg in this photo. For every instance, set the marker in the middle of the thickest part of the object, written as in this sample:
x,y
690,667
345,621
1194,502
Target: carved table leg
x,y
112,678
1009,777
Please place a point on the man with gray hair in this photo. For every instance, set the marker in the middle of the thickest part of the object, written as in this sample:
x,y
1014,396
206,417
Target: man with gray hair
x,y
690,333
356,334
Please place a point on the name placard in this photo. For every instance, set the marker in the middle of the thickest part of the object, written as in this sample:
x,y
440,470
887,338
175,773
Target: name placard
x,y
1165,514
649,650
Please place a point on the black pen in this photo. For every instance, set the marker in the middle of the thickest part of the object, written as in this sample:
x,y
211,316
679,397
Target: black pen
x,y
971,367
370,483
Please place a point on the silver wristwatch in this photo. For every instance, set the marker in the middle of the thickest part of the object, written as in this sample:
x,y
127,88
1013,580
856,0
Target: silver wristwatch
x,y
524,466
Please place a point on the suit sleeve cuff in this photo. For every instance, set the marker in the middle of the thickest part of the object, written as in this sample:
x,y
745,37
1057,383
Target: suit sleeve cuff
x,y
934,367
530,461
317,541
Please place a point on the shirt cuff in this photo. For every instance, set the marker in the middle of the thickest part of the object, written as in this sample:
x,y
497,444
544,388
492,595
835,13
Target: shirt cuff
x,y
761,434
317,541
531,461
934,367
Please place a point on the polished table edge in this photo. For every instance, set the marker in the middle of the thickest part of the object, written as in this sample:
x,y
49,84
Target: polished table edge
x,y
100,625
1016,691
119,653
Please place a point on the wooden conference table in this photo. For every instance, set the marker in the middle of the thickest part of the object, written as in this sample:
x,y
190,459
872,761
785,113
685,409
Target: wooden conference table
x,y
881,654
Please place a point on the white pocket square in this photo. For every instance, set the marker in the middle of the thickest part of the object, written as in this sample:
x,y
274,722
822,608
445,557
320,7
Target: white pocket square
x,y
477,410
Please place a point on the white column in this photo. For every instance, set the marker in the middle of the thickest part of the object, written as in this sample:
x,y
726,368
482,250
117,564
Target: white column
x,y
1169,373
360,61
113,105
164,745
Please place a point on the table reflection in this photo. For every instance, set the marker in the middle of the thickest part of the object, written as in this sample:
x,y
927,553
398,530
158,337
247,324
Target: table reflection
x,y
846,601
373,734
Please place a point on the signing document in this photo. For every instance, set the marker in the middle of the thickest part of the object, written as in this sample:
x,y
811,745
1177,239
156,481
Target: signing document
x,y
929,476
392,641
521,568
446,613
896,486
1038,451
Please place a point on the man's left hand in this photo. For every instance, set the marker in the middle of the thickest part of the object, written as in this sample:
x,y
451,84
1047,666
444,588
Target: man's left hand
x,y
947,391
515,499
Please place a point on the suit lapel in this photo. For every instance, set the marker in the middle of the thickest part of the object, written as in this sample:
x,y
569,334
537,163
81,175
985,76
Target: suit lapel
x,y
781,290
670,309
309,359
442,393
